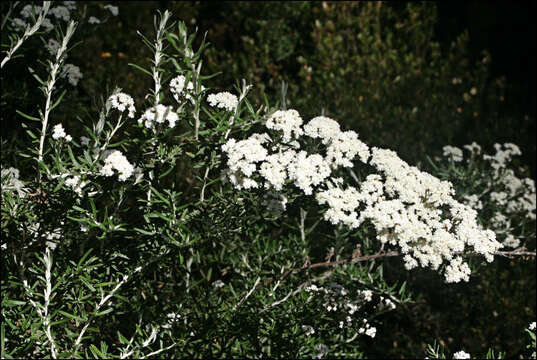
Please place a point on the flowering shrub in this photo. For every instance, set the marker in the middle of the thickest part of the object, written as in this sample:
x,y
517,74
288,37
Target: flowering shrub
x,y
173,228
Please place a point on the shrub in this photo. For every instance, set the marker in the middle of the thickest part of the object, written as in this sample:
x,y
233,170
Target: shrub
x,y
127,241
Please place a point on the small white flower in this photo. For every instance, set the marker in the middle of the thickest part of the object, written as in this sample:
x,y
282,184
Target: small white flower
x,y
93,20
20,24
60,12
453,151
461,355
308,330
114,10
84,141
28,10
59,132
177,87
218,284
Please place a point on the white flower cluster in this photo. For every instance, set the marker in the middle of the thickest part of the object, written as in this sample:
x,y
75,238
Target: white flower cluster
x,y
288,121
60,12
93,20
532,326
343,147
336,299
308,171
275,203
114,10
242,158
59,133
75,184
223,100
159,114
453,151
308,330
323,128
510,194
178,89
172,318
27,12
461,355
10,181
409,209
304,170
122,102
116,160
72,73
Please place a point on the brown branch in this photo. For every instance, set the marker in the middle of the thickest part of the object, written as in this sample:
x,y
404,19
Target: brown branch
x,y
307,265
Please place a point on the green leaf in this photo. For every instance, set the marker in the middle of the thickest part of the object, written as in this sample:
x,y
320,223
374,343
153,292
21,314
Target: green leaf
x,y
59,100
142,231
96,352
101,313
2,337
70,316
11,303
27,116
141,69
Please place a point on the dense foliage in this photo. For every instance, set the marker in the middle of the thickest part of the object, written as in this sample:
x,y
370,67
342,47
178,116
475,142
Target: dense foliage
x,y
155,205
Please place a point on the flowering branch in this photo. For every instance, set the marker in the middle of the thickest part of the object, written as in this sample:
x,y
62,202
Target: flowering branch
x,y
30,30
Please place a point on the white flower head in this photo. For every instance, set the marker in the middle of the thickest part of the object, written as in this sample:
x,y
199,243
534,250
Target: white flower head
x,y
72,73
93,20
308,171
122,102
178,89
116,160
27,10
60,12
287,121
159,114
322,127
59,133
84,141
461,355
453,151
343,147
114,10
223,100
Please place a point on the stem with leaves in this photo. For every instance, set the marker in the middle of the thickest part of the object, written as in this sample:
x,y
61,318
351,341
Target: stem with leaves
x,y
42,310
29,31
159,55
49,86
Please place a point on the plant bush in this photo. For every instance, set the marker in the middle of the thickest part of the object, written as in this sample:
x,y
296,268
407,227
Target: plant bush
x,y
189,222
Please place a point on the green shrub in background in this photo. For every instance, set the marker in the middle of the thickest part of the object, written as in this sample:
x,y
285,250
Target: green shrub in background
x,y
178,264
375,67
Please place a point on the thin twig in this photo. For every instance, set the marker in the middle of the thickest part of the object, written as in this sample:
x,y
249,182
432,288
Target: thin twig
x,y
248,294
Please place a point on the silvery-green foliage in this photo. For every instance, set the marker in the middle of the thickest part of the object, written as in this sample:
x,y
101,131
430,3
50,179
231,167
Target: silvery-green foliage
x,y
126,243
